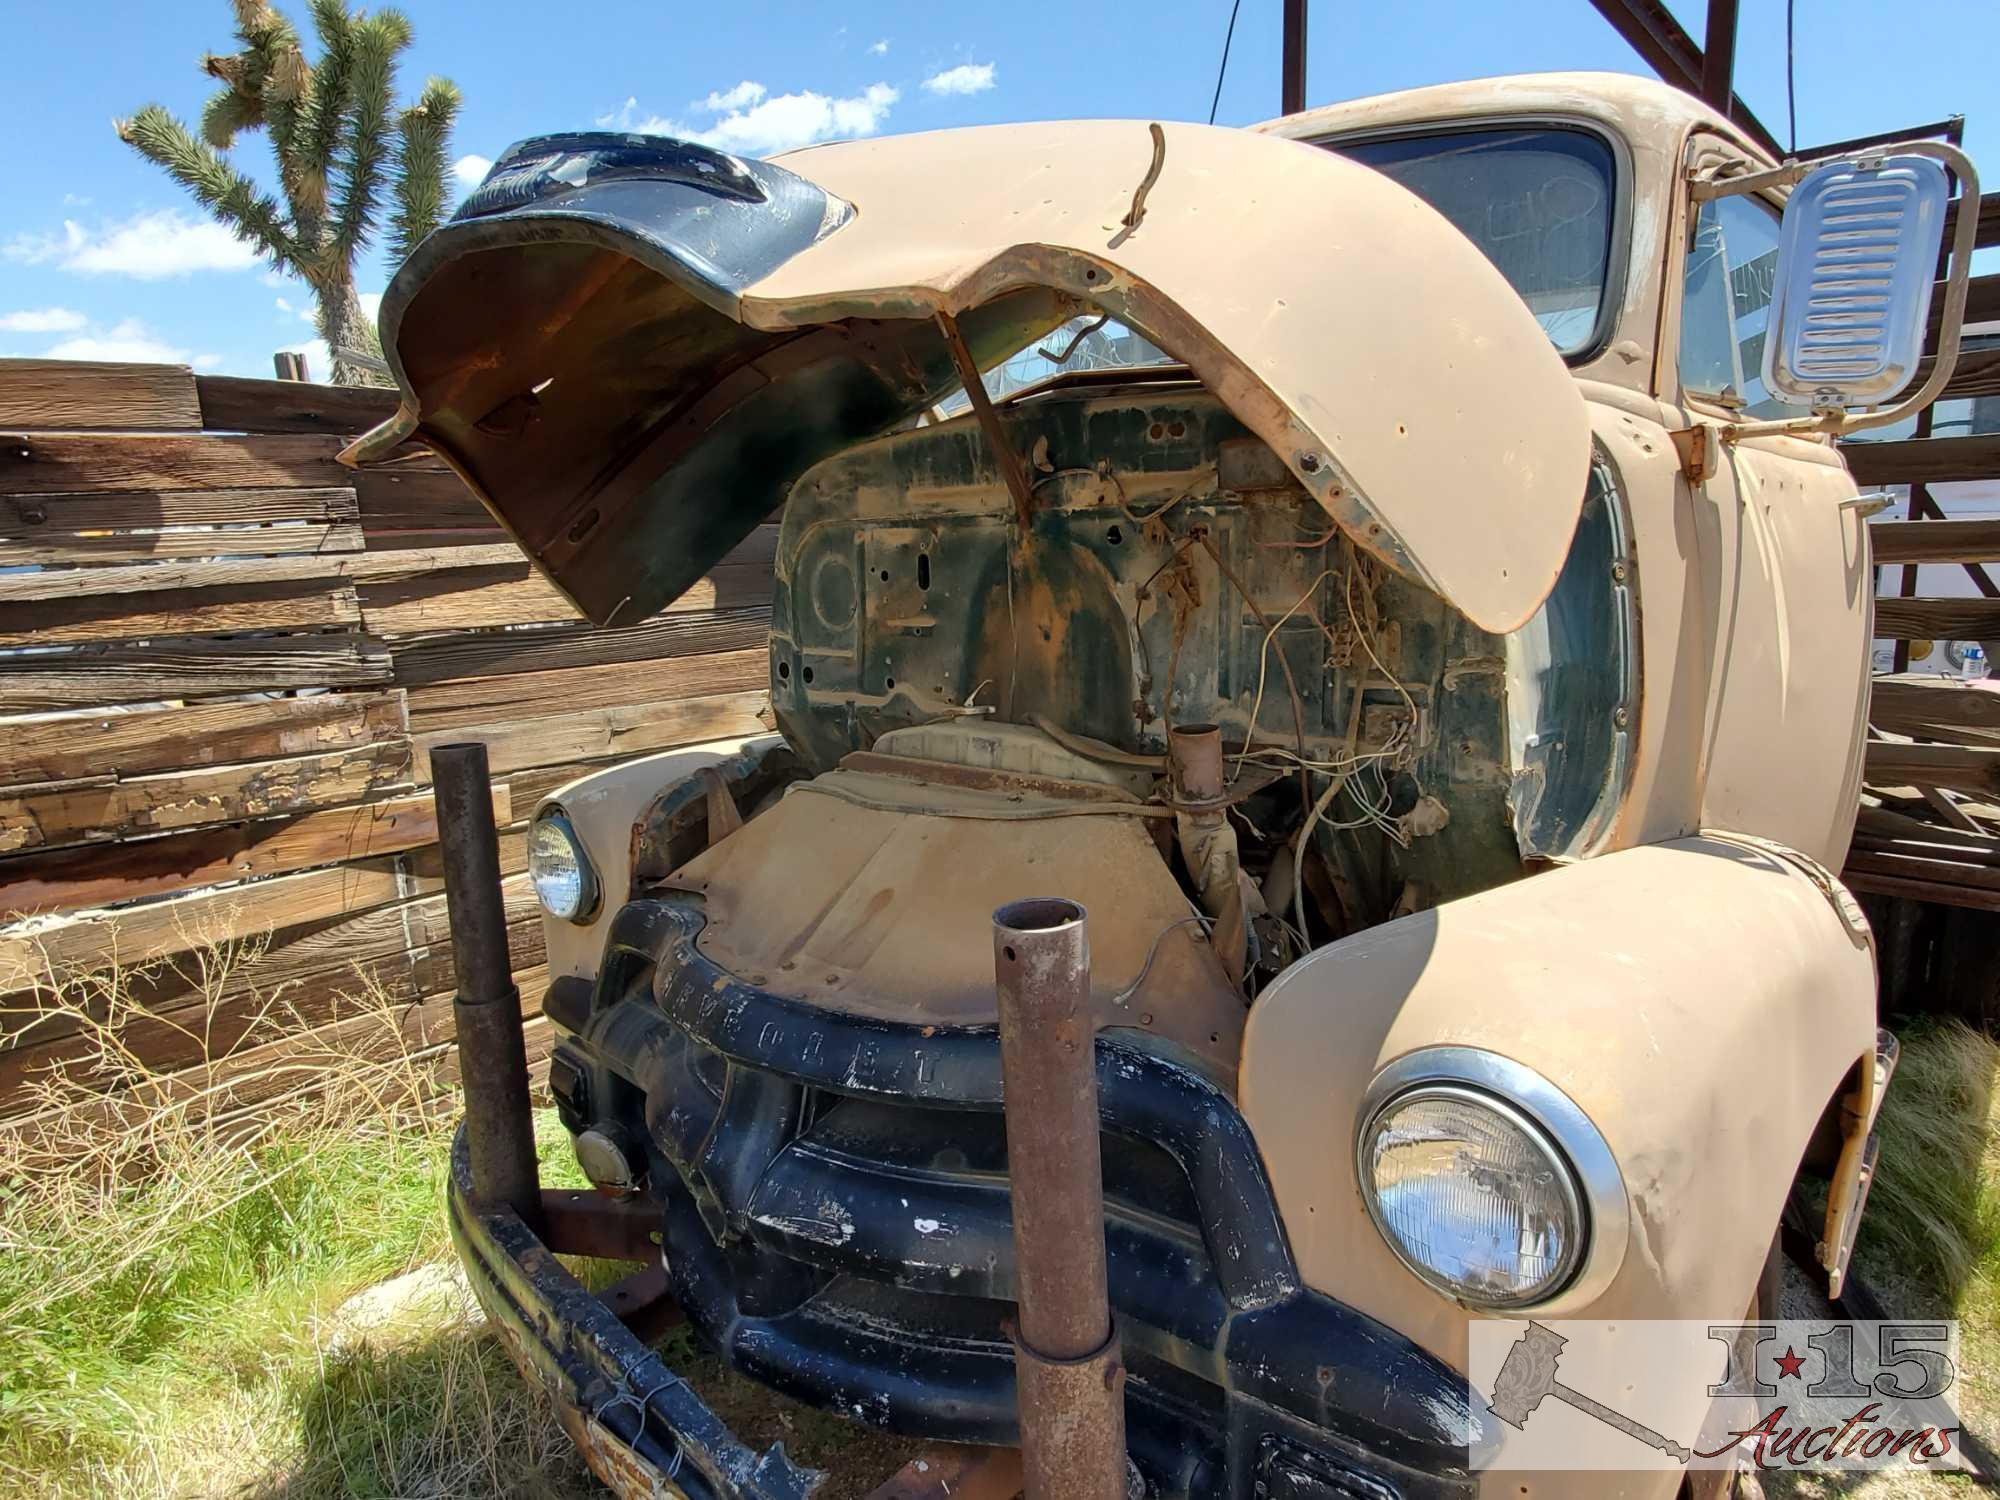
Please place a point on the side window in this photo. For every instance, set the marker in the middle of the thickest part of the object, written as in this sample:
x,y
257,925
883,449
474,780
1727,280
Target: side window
x,y
1725,303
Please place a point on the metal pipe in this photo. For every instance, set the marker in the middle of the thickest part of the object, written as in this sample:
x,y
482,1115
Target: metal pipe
x,y
1070,1374
492,1054
1292,85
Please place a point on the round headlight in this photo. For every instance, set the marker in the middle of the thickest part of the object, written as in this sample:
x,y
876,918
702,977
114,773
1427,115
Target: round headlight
x,y
564,882
1473,1195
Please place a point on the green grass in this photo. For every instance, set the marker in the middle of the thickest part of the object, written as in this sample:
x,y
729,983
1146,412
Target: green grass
x,y
1934,1211
173,1337
166,1304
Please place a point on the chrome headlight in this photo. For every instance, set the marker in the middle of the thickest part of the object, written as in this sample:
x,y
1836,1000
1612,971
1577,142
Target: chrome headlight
x,y
560,870
1488,1182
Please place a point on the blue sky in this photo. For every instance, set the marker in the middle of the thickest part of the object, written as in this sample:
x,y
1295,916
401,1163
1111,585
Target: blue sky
x,y
101,256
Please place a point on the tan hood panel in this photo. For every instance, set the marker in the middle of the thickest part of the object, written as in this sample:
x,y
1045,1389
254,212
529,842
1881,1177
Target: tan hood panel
x,y
1343,320
632,347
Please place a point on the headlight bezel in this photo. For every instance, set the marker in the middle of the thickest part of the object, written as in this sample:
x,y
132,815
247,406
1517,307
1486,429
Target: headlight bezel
x,y
1552,1120
591,896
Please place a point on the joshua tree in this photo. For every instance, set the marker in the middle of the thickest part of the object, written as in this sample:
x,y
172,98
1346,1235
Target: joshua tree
x,y
336,149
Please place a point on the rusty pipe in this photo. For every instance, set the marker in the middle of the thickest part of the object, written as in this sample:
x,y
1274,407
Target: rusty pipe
x,y
1208,842
1069,1371
486,1010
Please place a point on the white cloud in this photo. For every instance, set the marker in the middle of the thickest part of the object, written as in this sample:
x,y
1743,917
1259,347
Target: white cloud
x,y
208,361
371,304
966,78
149,246
42,320
470,170
75,200
772,123
130,340
283,305
879,49
742,96
621,117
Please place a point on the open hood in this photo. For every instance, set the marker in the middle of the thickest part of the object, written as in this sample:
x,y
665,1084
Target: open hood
x,y
632,347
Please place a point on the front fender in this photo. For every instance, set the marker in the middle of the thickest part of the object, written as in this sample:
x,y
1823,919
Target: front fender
x,y
1702,1001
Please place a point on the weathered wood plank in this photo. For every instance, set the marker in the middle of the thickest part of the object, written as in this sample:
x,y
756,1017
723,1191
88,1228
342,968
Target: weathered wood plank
x,y
255,1076
361,567
604,733
1977,372
1982,305
516,594
451,655
489,700
308,604
312,538
206,1034
1963,768
163,739
45,394
170,800
230,403
300,964
48,953
1970,619
356,567
71,879
31,519
1924,460
127,673
399,497
1935,541
43,464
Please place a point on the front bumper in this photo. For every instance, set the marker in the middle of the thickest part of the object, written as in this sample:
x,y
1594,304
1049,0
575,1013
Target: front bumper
x,y
833,1213
639,1426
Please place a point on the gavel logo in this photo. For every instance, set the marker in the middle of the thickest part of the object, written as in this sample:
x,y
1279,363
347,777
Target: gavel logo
x,y
1529,1373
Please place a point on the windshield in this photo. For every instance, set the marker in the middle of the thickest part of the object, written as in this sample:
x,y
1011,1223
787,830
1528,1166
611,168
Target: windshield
x,y
1537,200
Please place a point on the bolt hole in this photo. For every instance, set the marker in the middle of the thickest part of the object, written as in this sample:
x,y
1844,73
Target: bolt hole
x,y
885,575
784,671
807,674
923,570
888,682
1114,536
1010,954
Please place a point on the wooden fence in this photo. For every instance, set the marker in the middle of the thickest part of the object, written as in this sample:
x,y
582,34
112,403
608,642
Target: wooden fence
x,y
1926,855
226,660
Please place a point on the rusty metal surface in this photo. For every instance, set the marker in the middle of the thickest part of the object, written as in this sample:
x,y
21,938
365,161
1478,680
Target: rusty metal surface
x,y
955,1473
979,778
493,1059
1002,451
1066,1354
882,913
1208,841
578,1221
1073,1424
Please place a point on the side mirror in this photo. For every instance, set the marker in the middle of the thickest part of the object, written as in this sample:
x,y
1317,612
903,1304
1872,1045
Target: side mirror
x,y
1856,258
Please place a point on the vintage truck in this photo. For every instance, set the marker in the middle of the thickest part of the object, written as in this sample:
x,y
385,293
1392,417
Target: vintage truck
x,y
1443,686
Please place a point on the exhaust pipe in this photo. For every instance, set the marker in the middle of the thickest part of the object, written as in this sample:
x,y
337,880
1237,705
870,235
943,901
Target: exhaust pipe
x,y
1068,1369
492,1054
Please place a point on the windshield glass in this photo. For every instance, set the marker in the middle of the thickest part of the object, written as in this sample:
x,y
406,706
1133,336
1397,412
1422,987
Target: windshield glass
x,y
1537,200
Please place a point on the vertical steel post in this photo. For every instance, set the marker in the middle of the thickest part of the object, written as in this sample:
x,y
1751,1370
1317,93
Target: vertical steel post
x,y
492,1055
1293,86
1718,56
1070,1373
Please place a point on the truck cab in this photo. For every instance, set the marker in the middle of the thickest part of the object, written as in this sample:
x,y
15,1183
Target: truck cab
x,y
1438,666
